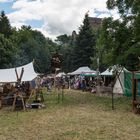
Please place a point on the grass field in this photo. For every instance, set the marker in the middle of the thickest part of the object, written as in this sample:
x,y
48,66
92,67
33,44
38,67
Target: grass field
x,y
81,116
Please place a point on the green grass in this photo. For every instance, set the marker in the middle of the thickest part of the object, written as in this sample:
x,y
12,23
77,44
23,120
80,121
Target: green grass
x,y
80,116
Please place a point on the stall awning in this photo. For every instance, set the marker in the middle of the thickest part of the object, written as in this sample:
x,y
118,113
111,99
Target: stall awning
x,y
9,75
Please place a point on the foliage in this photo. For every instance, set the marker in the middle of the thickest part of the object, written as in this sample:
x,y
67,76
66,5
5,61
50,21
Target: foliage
x,y
66,48
85,43
19,47
97,59
121,39
7,51
5,27
63,39
33,46
117,42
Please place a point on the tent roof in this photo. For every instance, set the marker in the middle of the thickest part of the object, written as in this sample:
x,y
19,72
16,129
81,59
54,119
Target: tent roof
x,y
90,74
82,70
60,74
9,75
107,72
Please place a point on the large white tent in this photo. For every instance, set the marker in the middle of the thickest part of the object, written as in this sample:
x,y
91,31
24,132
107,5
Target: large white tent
x,y
9,75
82,70
60,74
119,87
119,84
107,72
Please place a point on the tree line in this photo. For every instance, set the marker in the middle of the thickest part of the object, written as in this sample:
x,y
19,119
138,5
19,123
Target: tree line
x,y
115,42
21,46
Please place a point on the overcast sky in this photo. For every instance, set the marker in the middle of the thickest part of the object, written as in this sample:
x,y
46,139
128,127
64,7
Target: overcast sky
x,y
53,17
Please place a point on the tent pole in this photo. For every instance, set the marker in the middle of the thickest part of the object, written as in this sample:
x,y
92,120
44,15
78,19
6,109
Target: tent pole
x,y
18,94
112,85
133,92
118,76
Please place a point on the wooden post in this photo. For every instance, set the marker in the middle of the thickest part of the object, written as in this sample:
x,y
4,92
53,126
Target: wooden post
x,y
33,93
0,102
58,98
98,83
112,85
15,98
14,103
18,94
62,92
23,104
55,78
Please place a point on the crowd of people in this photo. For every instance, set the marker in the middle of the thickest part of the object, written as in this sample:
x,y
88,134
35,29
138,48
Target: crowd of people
x,y
84,83
72,82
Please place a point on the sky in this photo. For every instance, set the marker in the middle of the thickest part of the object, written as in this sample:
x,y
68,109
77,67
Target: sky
x,y
53,17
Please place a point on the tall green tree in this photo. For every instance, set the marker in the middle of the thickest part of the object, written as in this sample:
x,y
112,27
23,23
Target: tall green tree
x,y
121,37
19,47
5,27
32,45
7,46
99,52
63,39
7,52
66,48
85,43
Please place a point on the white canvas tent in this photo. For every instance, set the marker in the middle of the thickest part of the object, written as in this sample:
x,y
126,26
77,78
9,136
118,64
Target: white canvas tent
x,y
9,75
119,84
60,74
82,70
119,87
107,72
89,74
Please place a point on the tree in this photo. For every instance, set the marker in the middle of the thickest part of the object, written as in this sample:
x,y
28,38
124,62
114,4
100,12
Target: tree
x,y
121,37
5,27
7,51
97,59
19,47
33,46
63,39
85,42
65,47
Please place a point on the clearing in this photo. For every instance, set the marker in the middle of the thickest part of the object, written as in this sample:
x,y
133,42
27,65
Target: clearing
x,y
81,116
